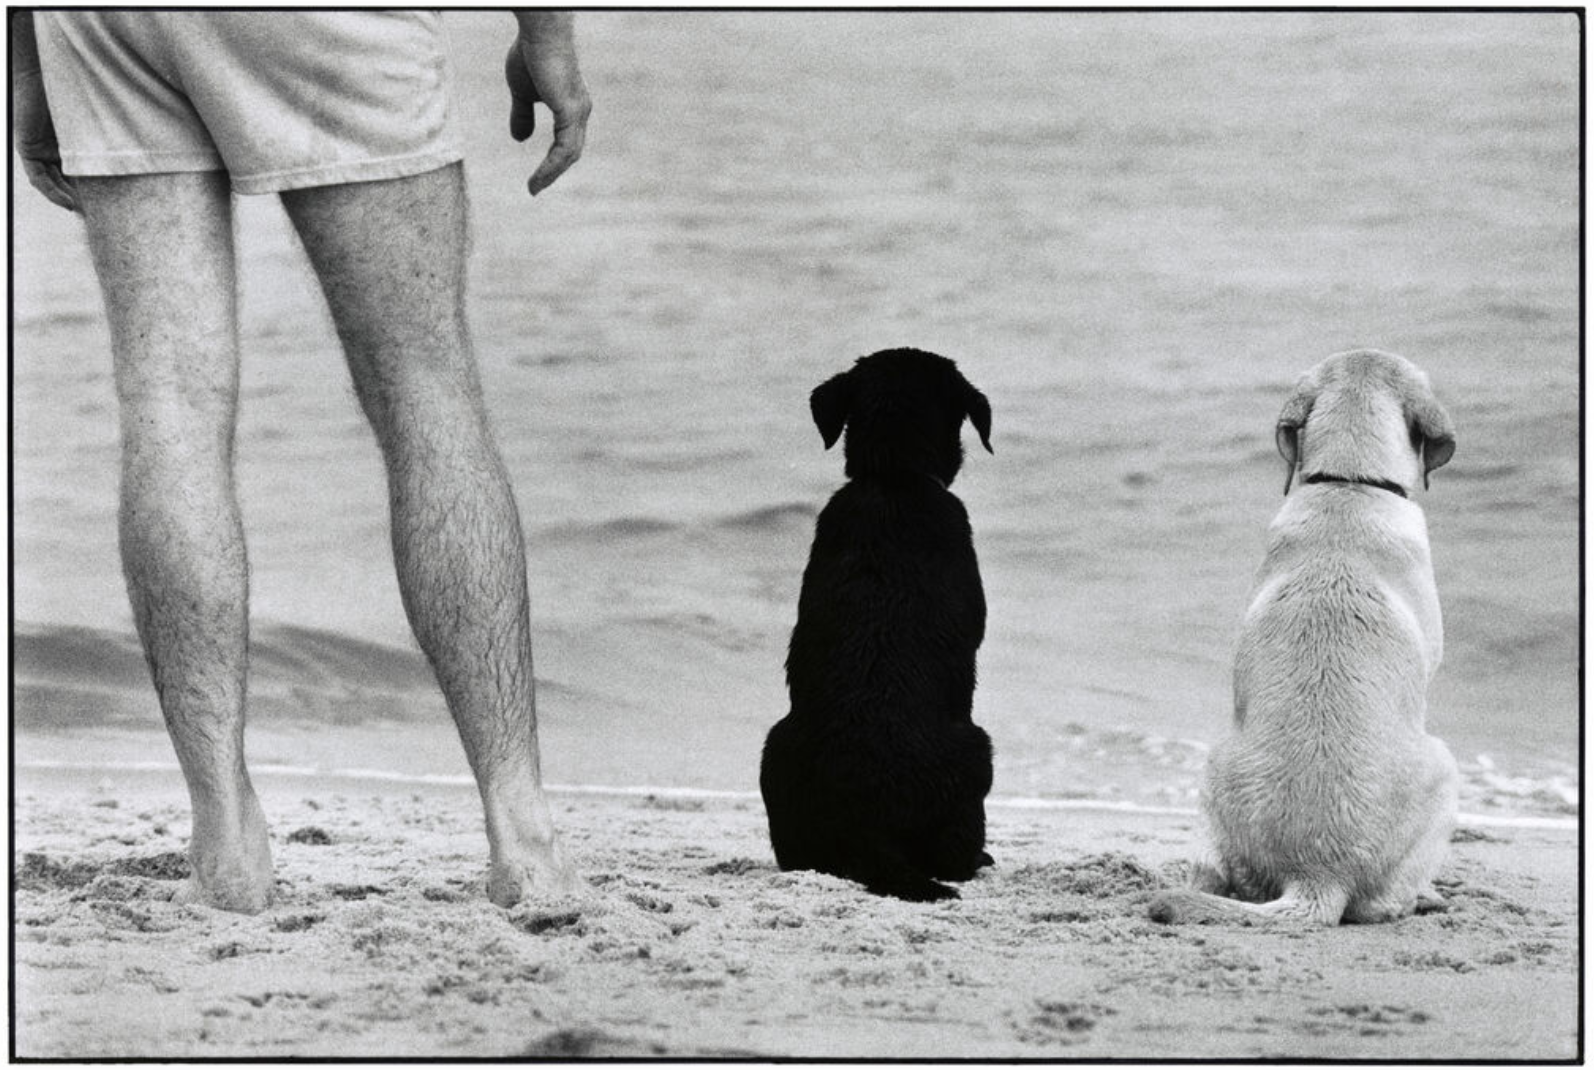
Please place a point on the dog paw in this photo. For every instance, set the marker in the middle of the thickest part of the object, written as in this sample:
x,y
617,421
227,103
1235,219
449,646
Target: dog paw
x,y
925,891
1164,910
1431,902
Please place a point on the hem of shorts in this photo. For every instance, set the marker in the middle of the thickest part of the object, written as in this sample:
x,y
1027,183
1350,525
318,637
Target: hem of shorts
x,y
119,165
342,174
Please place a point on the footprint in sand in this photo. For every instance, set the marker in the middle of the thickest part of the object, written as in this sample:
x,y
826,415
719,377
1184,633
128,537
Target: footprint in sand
x,y
356,891
1060,1022
588,1043
737,867
230,949
111,888
1097,876
135,917
556,922
651,903
313,835
39,872
438,894
1364,1019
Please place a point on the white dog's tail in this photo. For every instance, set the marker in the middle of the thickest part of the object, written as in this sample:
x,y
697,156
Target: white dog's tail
x,y
1298,905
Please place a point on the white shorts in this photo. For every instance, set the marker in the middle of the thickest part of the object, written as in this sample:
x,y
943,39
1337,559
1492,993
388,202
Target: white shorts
x,y
279,100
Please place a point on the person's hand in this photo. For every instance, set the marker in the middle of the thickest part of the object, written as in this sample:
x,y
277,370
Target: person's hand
x,y
34,133
541,67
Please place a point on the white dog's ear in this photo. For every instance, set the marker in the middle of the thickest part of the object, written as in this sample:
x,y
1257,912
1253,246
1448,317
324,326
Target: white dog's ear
x,y
1287,435
831,404
1432,430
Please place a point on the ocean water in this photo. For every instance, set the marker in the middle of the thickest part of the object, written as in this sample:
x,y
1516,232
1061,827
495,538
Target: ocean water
x,y
1133,231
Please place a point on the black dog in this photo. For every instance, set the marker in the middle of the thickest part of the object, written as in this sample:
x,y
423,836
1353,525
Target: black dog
x,y
879,773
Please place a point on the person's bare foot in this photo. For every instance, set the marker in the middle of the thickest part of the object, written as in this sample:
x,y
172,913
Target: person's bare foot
x,y
548,873
526,858
230,855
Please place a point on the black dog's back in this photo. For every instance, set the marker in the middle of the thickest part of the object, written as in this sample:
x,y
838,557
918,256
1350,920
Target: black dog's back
x,y
878,773
891,604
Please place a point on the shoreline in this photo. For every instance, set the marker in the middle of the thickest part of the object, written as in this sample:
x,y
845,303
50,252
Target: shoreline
x,y
1570,823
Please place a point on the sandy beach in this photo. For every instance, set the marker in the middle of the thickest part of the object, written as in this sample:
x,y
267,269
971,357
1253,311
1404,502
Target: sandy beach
x,y
692,944
1133,231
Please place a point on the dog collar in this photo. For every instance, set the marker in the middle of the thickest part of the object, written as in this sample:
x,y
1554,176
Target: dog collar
x,y
1381,484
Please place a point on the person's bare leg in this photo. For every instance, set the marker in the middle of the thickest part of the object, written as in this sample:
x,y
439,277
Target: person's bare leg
x,y
162,247
391,259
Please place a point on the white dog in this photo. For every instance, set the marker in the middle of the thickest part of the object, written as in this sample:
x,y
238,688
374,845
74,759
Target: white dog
x,y
1330,801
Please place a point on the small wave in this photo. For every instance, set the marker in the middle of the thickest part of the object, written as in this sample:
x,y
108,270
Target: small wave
x,y
763,519
78,657
554,359
1484,471
310,656
1523,312
1030,136
61,319
703,626
1108,447
86,659
770,518
67,677
1500,636
637,525
58,708
1482,783
624,527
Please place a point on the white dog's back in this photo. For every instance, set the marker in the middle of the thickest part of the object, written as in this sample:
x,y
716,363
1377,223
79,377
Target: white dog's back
x,y
1330,684
1330,799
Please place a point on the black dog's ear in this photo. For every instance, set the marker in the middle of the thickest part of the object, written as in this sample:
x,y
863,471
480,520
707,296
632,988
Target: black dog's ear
x,y
979,413
831,404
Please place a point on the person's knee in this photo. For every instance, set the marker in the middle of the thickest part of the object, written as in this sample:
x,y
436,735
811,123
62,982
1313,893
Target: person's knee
x,y
423,402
